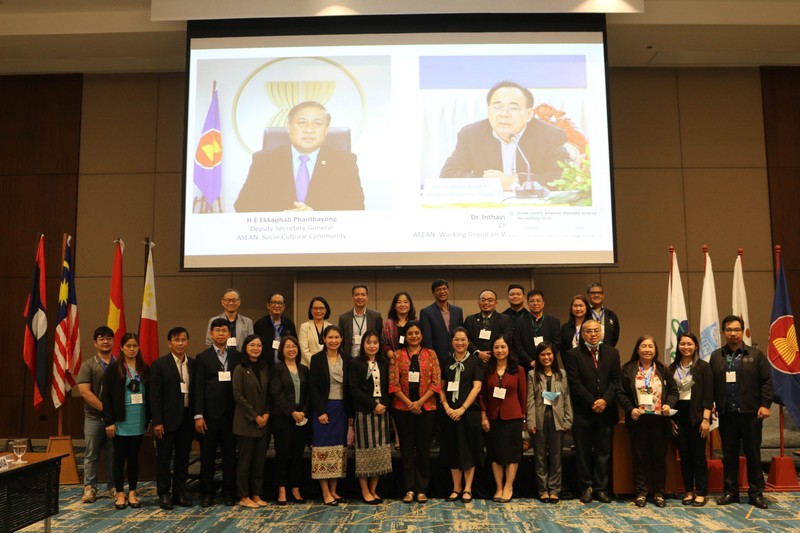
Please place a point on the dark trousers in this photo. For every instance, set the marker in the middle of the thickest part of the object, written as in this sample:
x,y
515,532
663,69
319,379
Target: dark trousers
x,y
592,434
250,469
745,428
692,449
649,452
415,432
218,434
547,445
126,450
175,444
290,443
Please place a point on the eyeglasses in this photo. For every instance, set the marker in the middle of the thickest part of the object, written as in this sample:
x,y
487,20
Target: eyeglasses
x,y
276,303
733,330
230,300
592,293
590,331
511,109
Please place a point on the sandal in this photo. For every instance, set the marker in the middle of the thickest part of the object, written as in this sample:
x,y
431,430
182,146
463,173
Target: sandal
x,y
465,498
698,503
455,495
553,499
409,497
640,501
421,498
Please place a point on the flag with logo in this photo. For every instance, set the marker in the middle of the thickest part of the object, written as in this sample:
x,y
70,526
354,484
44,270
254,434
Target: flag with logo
x,y
67,351
148,324
116,304
677,319
783,351
34,348
739,300
208,156
709,316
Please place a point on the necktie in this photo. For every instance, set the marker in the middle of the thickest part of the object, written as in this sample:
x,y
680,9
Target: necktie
x,y
594,357
302,180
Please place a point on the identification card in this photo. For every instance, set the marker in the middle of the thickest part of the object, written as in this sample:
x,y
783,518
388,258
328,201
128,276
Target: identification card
x,y
224,375
413,377
645,399
547,400
685,394
184,387
730,376
276,344
538,340
452,386
401,339
499,392
485,334
231,341
356,339
136,398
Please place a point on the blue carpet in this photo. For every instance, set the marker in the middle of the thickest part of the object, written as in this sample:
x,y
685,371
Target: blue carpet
x,y
521,515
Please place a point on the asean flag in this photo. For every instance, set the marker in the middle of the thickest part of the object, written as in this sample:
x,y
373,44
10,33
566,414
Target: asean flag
x,y
208,155
783,351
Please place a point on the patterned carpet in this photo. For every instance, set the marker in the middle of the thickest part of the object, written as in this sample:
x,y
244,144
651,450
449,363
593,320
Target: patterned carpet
x,y
521,515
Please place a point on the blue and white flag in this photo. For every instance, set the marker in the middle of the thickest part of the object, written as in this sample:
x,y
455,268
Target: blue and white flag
x,y
709,316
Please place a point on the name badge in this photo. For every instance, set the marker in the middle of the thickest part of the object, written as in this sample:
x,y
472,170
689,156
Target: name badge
x,y
730,376
184,387
685,394
276,344
452,386
413,377
538,340
356,339
547,401
646,399
549,397
224,375
136,398
485,334
401,339
231,341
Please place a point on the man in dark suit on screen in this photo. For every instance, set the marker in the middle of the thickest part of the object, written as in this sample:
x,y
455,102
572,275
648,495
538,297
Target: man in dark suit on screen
x,y
491,148
306,175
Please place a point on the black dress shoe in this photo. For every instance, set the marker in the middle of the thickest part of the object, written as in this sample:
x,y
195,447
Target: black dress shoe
x,y
207,501
759,501
728,498
230,501
282,502
586,496
659,501
182,501
602,496
341,500
164,502
298,500
373,501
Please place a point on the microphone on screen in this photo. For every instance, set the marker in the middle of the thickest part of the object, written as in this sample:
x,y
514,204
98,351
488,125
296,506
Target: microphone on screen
x,y
529,188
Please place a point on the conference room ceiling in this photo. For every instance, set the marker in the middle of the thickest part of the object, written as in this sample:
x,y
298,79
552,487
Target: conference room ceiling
x,y
49,36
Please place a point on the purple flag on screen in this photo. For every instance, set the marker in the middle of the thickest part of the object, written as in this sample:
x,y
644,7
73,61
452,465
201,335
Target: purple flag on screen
x,y
208,156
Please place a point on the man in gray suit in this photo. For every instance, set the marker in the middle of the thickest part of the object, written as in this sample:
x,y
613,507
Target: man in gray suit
x,y
239,326
359,320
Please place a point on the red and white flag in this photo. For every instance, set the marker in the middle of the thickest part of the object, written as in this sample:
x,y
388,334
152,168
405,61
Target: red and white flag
x,y
148,324
67,351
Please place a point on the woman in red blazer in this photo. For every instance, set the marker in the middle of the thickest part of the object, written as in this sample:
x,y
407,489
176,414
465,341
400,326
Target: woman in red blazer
x,y
503,402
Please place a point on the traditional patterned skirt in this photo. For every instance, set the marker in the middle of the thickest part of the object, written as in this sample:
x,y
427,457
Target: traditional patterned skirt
x,y
329,443
373,452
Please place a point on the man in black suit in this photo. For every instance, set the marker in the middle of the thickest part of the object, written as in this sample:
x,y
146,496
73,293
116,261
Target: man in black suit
x,y
536,328
609,322
213,412
439,320
359,320
484,326
171,395
593,372
743,394
491,147
274,326
306,176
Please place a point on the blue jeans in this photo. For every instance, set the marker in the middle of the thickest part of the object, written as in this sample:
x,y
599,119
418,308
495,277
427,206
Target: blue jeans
x,y
94,432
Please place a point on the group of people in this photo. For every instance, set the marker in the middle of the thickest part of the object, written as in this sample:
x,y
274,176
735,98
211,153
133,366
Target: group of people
x,y
482,380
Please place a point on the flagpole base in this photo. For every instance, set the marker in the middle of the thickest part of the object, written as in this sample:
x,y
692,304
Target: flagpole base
x,y
782,475
69,467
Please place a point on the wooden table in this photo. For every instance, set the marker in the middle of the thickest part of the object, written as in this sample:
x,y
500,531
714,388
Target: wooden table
x,y
29,492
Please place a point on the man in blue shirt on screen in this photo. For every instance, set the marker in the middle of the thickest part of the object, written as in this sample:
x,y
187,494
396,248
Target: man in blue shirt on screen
x,y
493,147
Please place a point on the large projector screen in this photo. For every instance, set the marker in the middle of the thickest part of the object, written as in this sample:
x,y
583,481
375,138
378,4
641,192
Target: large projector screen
x,y
364,149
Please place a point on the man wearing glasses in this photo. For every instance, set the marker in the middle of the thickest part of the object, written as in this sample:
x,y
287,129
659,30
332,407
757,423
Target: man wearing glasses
x,y
273,327
494,147
305,174
487,325
743,395
239,326
609,322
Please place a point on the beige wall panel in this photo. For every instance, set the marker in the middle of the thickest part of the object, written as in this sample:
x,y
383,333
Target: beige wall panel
x,y
650,218
112,206
728,209
644,118
335,287
171,112
256,290
118,123
167,224
721,117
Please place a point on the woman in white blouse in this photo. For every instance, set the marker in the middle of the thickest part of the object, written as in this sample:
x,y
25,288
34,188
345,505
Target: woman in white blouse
x,y
310,333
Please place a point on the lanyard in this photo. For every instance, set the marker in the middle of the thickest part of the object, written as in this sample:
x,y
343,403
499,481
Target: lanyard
x,y
278,329
128,371
648,376
103,364
678,371
223,361
599,316
537,324
363,321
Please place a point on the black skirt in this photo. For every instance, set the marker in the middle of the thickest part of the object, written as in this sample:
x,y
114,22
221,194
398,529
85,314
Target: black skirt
x,y
505,441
